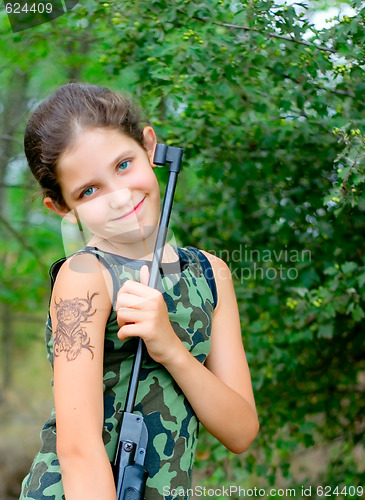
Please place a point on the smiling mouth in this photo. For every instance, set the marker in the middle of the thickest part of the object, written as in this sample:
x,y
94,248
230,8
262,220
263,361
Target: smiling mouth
x,y
136,209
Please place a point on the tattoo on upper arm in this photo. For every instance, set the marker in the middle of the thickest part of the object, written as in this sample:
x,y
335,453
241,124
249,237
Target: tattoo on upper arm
x,y
69,335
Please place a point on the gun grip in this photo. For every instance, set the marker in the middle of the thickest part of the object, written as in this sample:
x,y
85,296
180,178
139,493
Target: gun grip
x,y
134,483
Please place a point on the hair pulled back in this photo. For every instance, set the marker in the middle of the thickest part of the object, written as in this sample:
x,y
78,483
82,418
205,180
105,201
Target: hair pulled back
x,y
54,126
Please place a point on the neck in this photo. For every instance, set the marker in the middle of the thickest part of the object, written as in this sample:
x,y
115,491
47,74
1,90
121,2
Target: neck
x,y
138,247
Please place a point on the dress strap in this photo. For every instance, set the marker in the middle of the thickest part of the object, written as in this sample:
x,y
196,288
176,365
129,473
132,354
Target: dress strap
x,y
207,271
101,257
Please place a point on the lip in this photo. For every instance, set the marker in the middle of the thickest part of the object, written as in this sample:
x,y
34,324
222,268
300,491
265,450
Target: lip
x,y
136,210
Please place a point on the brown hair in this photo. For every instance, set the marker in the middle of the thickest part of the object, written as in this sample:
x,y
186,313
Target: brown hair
x,y
53,127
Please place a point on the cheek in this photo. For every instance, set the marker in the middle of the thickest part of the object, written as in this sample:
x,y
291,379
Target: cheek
x,y
151,186
92,212
146,182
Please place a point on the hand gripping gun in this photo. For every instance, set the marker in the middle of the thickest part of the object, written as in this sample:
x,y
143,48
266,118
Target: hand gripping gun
x,y
129,471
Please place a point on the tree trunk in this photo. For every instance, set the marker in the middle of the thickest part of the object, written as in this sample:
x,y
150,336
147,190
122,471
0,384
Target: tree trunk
x,y
14,108
14,102
6,349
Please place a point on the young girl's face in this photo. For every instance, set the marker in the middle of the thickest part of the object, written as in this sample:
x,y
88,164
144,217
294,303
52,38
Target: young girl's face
x,y
106,177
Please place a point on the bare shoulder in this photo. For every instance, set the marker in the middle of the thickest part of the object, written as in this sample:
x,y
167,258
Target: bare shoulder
x,y
83,275
80,269
223,279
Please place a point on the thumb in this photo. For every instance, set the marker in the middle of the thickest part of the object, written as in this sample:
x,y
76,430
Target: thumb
x,y
144,275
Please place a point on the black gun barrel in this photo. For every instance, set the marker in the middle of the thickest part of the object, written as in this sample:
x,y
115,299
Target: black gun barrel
x,y
130,475
163,154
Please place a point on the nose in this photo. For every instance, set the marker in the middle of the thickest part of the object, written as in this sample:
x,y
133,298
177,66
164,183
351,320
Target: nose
x,y
119,198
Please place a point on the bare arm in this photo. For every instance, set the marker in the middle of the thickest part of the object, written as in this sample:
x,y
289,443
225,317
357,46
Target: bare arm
x,y
80,306
221,392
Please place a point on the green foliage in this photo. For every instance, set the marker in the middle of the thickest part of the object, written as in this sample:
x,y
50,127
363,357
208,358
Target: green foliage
x,y
270,113
348,188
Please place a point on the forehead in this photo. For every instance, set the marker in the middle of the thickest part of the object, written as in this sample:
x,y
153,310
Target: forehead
x,y
92,152
96,144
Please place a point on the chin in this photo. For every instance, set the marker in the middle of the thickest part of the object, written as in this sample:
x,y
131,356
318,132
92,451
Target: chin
x,y
129,236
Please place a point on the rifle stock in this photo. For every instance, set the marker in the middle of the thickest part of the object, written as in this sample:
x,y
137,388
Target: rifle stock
x,y
129,471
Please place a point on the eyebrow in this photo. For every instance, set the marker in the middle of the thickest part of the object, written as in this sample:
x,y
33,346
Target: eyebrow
x,y
119,158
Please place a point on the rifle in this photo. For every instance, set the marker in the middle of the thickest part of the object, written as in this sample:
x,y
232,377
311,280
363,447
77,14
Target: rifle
x,y
129,472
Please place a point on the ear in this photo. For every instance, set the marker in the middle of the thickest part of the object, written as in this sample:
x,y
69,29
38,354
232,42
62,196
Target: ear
x,y
62,212
150,141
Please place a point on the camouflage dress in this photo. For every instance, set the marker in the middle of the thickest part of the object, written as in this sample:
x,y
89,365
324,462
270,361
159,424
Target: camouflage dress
x,y
189,290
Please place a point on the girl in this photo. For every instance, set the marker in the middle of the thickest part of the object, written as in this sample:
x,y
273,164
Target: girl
x,y
93,161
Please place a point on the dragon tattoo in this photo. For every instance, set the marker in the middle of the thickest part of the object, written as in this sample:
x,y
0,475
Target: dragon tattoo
x,y
70,336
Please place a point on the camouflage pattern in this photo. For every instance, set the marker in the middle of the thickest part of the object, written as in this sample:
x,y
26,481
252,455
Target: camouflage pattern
x,y
171,422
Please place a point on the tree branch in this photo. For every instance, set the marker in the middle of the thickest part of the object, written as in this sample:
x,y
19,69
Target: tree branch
x,y
281,37
19,186
332,91
271,35
7,137
20,238
276,35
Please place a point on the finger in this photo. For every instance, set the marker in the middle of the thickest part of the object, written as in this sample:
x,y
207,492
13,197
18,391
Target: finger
x,y
144,275
129,300
132,316
128,315
131,330
137,288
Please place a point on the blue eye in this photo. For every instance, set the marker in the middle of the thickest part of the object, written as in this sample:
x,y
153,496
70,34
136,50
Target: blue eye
x,y
123,165
88,192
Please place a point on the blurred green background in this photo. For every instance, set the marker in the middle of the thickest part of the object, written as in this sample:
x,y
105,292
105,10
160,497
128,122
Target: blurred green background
x,y
267,100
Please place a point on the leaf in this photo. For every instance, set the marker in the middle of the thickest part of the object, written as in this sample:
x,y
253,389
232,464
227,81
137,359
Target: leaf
x,y
348,267
361,279
325,331
358,313
331,271
300,291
